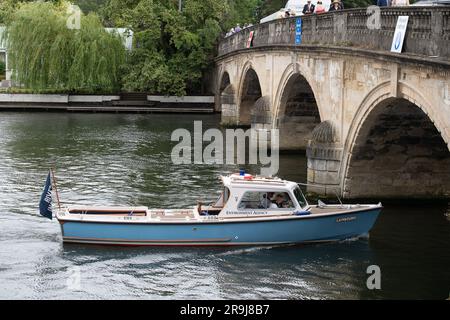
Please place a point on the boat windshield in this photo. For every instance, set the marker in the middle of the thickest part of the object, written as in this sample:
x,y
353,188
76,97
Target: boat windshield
x,y
223,198
300,197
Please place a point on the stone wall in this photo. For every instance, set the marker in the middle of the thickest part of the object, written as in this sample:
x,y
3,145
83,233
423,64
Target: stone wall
x,y
324,153
228,106
428,31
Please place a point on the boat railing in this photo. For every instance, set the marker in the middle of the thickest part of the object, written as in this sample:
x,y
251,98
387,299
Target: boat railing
x,y
327,188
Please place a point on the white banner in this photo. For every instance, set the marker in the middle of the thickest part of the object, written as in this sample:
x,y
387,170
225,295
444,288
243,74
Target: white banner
x,y
399,35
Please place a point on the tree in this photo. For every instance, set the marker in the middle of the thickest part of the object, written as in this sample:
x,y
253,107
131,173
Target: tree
x,y
241,12
268,7
47,55
2,69
7,7
349,4
174,50
171,49
88,6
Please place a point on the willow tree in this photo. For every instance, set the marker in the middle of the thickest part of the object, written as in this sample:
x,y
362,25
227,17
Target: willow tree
x,y
45,54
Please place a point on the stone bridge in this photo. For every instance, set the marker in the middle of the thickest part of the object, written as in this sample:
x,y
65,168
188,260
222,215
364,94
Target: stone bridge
x,y
373,123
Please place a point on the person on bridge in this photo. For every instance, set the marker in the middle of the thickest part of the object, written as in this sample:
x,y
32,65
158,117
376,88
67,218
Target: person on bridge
x,y
320,7
336,5
383,3
308,8
399,3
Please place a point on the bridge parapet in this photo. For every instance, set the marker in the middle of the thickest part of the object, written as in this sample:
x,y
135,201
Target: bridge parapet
x,y
428,32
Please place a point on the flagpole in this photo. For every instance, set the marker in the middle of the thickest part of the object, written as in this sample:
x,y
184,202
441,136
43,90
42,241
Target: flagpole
x,y
56,189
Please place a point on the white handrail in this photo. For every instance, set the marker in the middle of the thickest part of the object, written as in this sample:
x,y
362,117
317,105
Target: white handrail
x,y
321,186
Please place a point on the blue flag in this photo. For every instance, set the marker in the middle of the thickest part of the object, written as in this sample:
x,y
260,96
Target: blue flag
x,y
298,31
45,206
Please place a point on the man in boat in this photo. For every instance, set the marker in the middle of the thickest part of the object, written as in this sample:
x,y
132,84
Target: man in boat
x,y
280,201
267,202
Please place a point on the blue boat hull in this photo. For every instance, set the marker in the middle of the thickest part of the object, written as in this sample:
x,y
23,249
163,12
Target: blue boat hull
x,y
280,231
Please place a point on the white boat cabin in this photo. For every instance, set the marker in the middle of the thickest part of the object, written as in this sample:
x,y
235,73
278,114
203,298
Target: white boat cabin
x,y
245,195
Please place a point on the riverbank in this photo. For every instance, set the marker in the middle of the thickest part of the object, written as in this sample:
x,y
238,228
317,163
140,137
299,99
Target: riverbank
x,y
128,103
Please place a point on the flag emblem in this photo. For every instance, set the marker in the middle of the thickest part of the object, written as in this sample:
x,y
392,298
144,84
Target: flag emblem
x,y
45,206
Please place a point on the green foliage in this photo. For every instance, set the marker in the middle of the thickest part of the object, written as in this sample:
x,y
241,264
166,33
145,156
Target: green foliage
x,y
88,6
46,55
172,49
2,69
268,7
349,4
241,12
7,7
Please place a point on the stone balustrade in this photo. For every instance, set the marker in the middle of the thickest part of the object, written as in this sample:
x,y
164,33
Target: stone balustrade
x,y
428,32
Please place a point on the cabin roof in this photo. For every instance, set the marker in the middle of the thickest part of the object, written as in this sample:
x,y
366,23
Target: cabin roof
x,y
258,182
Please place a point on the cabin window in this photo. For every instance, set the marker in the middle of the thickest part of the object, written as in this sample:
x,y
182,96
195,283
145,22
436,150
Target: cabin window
x,y
223,198
300,197
266,200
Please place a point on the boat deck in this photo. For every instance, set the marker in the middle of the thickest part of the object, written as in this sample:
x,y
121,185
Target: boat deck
x,y
188,214
135,212
316,210
171,214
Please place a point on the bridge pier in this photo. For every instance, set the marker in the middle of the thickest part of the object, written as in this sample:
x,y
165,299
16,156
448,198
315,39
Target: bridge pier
x,y
229,107
261,120
324,154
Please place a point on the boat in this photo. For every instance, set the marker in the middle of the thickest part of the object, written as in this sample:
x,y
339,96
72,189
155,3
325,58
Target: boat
x,y
251,211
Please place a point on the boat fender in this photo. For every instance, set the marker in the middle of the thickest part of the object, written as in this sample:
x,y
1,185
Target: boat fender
x,y
302,213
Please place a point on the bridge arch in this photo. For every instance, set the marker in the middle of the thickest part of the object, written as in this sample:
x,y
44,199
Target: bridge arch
x,y
224,81
297,111
249,92
224,86
396,147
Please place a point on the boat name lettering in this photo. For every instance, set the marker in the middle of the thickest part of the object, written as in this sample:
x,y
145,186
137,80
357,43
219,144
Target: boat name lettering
x,y
246,212
346,219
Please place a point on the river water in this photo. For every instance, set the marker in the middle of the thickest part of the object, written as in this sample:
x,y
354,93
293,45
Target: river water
x,y
118,159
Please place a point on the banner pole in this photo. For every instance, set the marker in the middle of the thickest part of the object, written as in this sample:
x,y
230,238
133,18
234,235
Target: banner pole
x,y
56,189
